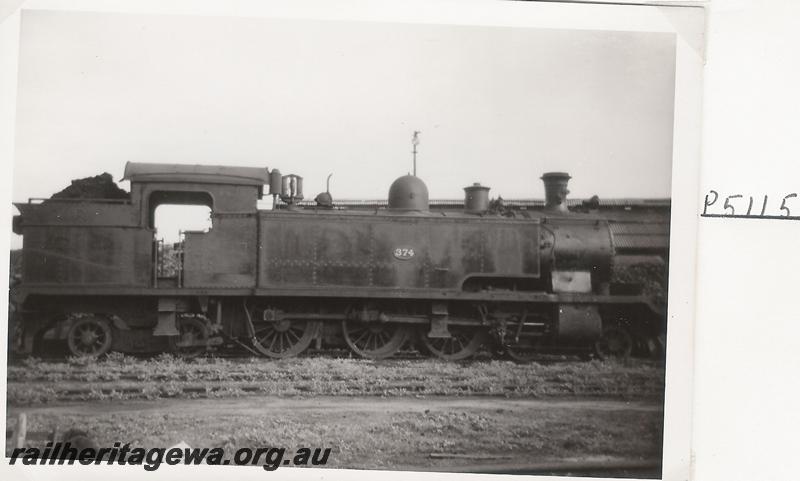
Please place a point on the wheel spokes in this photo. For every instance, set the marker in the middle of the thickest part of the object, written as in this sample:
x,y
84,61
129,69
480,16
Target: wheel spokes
x,y
463,343
374,340
89,336
279,340
615,343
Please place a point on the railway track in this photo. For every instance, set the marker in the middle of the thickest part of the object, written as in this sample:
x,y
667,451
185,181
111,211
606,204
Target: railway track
x,y
55,354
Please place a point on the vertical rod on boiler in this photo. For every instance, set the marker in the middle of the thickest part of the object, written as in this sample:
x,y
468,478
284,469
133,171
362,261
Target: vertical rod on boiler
x,y
415,142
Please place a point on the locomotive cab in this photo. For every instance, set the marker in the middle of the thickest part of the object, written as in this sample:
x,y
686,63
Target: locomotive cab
x,y
231,194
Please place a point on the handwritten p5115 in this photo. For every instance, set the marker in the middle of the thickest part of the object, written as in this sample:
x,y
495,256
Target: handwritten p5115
x,y
750,207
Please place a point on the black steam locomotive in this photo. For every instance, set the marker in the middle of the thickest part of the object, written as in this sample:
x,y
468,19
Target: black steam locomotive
x,y
276,282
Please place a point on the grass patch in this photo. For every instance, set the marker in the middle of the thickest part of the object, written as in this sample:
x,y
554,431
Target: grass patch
x,y
122,377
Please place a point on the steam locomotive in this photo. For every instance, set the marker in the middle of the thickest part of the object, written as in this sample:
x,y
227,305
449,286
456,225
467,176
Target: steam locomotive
x,y
275,282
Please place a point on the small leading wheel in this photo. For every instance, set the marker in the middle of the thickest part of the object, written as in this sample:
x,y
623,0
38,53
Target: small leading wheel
x,y
284,338
193,337
374,340
89,336
616,343
522,354
463,343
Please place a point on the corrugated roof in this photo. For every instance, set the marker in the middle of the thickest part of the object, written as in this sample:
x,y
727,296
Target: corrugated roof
x,y
642,243
639,228
459,203
640,235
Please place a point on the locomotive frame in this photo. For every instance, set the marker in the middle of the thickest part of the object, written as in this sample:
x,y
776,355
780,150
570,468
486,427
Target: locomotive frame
x,y
529,281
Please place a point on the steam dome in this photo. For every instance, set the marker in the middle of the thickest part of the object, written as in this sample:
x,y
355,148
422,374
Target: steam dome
x,y
408,193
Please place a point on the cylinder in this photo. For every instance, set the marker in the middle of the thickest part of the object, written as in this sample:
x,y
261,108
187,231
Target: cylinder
x,y
291,188
476,198
275,182
298,187
555,191
286,186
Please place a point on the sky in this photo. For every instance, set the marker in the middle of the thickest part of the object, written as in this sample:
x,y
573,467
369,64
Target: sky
x,y
495,105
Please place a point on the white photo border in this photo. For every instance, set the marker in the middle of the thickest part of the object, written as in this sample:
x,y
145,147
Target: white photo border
x,y
687,23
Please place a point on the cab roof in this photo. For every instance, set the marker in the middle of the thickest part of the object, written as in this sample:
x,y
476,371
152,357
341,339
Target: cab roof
x,y
200,174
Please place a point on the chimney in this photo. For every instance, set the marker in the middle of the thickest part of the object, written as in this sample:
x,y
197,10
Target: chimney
x,y
555,191
476,199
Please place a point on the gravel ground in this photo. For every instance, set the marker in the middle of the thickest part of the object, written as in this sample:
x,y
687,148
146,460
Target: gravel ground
x,y
440,433
422,414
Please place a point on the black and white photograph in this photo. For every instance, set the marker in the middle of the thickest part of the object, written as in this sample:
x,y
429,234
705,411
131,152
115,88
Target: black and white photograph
x,y
306,239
